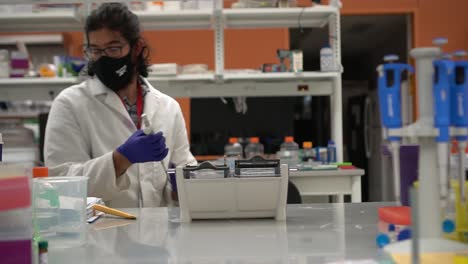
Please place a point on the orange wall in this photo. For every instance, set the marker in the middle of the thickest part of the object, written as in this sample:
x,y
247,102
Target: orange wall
x,y
442,18
243,49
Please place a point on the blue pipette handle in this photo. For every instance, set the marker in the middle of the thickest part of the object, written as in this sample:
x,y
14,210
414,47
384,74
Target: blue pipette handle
x,y
459,96
441,90
389,88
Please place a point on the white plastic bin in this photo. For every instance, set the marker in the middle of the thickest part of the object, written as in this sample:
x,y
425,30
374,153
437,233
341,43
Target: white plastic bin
x,y
232,197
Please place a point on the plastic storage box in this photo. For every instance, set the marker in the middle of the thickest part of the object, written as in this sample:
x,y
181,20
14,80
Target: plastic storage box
x,y
16,231
230,197
60,210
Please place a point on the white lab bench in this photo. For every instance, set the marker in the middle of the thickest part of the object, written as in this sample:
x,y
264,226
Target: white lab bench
x,y
329,182
317,233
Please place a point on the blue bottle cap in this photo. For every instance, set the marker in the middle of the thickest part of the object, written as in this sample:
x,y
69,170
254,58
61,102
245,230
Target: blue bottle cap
x,y
331,142
448,226
391,228
404,234
382,240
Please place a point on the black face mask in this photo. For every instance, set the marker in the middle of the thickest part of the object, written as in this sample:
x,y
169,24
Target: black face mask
x,y
115,73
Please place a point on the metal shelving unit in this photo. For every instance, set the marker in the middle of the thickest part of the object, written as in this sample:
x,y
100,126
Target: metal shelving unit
x,y
41,21
169,20
218,84
317,16
247,84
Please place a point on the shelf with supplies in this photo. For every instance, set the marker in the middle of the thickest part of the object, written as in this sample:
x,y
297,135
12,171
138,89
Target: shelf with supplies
x,y
73,19
247,84
66,20
183,19
33,88
193,85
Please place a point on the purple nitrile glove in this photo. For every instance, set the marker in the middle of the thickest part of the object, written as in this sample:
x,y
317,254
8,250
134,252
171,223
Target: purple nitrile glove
x,y
140,148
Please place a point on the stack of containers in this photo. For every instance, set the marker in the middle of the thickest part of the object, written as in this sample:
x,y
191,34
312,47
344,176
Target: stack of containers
x,y
16,231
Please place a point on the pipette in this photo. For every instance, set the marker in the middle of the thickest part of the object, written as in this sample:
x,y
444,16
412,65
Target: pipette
x,y
148,130
390,109
459,113
441,90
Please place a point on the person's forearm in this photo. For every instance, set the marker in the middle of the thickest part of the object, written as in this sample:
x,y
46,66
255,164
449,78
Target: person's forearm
x,y
121,163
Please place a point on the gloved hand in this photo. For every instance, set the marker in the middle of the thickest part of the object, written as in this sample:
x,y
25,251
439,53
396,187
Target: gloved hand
x,y
140,148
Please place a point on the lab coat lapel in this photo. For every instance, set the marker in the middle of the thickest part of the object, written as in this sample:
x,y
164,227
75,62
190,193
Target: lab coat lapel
x,y
151,103
112,100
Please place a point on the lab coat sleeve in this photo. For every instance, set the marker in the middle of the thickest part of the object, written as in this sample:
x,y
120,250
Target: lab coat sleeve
x,y
67,153
180,154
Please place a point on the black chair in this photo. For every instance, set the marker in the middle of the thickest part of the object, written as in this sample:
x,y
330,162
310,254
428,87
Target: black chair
x,y
42,125
294,197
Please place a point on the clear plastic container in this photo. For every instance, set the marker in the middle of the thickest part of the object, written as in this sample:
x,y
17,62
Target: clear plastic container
x,y
254,148
289,152
232,151
46,204
60,209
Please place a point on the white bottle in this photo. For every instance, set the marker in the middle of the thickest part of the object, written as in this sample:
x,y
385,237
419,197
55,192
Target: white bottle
x,y
327,59
289,152
254,148
232,151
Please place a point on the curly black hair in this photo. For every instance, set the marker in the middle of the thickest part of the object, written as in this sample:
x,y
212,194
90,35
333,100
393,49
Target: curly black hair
x,y
117,17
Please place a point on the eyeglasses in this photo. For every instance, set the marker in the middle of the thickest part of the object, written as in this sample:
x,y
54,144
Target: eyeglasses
x,y
112,51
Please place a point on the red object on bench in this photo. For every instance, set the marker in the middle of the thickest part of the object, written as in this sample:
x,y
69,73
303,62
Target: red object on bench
x,y
397,215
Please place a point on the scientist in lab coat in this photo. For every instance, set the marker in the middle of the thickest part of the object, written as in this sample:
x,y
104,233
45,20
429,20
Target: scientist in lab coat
x,y
94,128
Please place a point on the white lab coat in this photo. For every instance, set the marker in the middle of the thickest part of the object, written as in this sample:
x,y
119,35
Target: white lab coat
x,y
88,121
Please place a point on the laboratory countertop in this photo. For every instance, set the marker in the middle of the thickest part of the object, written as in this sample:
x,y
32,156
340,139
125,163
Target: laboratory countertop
x,y
312,233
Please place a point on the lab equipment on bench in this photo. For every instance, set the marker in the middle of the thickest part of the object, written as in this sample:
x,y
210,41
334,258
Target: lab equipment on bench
x,y
257,167
258,190
307,151
443,113
289,152
254,148
148,130
111,211
232,152
331,152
